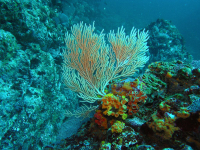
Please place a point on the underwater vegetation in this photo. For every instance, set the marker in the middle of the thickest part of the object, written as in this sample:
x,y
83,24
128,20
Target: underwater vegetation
x,y
90,64
156,109
135,114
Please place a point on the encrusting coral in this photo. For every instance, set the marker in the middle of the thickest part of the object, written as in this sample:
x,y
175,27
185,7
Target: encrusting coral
x,y
120,103
117,127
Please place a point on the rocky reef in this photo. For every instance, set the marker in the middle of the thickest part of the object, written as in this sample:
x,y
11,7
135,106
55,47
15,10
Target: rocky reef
x,y
156,110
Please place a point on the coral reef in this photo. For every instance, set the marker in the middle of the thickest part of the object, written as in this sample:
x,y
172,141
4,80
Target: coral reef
x,y
166,43
166,119
158,110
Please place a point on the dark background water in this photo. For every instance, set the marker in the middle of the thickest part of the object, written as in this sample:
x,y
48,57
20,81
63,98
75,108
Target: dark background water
x,y
184,14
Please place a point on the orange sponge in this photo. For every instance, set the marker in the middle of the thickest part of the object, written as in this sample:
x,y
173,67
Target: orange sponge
x,y
114,106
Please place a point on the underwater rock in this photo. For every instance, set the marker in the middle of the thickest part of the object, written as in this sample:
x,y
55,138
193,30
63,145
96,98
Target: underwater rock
x,y
166,43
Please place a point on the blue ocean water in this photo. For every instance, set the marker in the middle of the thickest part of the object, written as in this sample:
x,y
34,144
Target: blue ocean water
x,y
184,14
